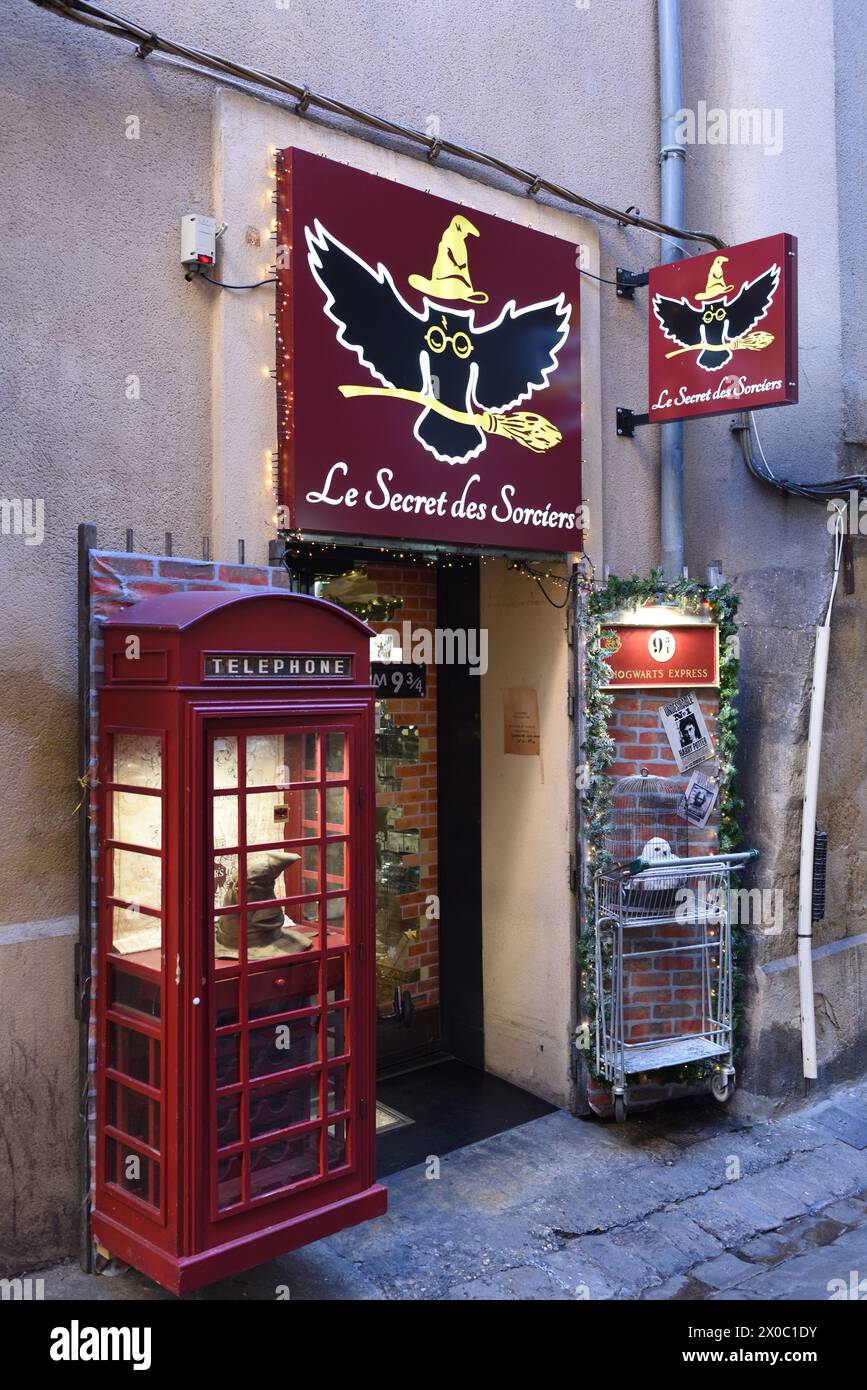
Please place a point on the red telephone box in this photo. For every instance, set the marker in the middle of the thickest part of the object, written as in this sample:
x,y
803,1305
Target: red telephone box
x,y
235,1101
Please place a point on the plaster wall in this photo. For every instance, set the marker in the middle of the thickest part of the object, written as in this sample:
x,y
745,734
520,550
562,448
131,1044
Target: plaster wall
x,y
528,909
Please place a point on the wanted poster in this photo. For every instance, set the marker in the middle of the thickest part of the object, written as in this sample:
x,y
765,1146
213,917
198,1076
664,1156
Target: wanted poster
x,y
686,731
700,797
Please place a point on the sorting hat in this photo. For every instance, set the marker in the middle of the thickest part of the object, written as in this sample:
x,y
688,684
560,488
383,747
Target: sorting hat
x,y
450,277
716,285
268,931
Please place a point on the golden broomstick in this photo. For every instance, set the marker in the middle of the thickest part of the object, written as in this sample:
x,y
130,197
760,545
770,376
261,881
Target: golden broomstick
x,y
524,426
753,342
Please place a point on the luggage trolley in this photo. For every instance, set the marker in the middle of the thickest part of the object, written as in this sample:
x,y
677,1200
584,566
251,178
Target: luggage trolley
x,y
690,899
663,925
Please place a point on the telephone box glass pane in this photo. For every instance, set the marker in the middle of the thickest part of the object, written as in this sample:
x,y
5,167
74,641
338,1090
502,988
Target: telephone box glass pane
x,y
138,878
135,1114
337,810
132,1171
337,1094
225,762
132,992
293,1102
283,991
137,760
286,1161
274,874
273,816
133,931
306,919
228,1058
310,815
225,880
337,1032
309,877
134,1054
337,919
337,1143
137,819
335,864
225,822
276,760
335,756
283,1046
337,972
228,1121
229,1181
226,993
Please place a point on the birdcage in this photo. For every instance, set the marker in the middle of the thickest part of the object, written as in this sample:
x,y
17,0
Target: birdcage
x,y
648,822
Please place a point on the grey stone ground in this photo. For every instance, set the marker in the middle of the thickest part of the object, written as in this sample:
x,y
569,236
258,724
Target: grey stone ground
x,y
688,1202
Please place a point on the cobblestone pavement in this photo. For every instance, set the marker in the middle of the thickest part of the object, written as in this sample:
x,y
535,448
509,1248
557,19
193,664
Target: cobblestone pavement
x,y
687,1202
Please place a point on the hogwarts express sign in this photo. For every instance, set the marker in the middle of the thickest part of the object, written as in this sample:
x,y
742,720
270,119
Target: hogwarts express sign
x,y
428,366
723,331
670,656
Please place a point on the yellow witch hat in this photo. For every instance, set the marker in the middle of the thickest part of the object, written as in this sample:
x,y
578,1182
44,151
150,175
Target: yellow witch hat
x,y
716,281
450,277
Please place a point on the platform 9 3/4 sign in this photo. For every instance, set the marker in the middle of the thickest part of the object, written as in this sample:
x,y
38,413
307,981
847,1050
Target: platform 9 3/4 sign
x,y
640,656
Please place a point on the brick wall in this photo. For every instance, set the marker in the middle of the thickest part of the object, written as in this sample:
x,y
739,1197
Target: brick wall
x,y
417,586
663,996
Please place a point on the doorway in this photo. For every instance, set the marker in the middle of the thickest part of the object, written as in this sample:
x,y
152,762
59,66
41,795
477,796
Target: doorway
x,y
428,794
433,1093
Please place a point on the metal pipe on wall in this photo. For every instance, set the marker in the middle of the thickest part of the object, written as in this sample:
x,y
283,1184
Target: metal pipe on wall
x,y
671,196
808,822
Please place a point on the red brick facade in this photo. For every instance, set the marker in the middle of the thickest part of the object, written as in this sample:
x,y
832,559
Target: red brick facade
x,y
417,587
663,996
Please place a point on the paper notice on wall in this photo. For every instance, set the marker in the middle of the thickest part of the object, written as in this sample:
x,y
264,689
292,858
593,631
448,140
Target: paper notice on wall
x,y
521,722
700,797
686,731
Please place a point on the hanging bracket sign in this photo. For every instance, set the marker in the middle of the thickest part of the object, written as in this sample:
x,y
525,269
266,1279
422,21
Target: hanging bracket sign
x,y
723,331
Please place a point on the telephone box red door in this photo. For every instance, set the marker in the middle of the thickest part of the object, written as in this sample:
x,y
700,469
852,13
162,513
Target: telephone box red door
x,y
287,1005
236,1012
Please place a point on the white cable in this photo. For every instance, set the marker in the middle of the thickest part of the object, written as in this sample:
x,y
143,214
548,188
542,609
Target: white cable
x,y
812,768
839,531
755,429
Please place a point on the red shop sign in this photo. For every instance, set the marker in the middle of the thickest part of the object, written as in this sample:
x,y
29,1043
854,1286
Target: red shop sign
x,y
428,366
723,331
662,655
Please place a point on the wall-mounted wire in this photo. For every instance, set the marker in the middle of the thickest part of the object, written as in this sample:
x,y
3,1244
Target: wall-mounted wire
x,y
148,42
221,284
745,426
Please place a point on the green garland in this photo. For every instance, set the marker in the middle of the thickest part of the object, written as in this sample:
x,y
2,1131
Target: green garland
x,y
719,604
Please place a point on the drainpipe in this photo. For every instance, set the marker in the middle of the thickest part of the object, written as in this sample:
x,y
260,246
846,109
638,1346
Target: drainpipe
x,y
671,182
808,824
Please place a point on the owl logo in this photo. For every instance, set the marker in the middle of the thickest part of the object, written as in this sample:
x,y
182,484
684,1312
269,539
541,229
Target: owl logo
x,y
466,376
721,326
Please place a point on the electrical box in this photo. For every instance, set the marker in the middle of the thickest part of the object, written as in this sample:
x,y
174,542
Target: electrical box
x,y
235,986
198,239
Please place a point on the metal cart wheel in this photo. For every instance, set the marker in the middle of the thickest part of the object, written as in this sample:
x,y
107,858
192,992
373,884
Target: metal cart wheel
x,y
722,1085
620,1109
